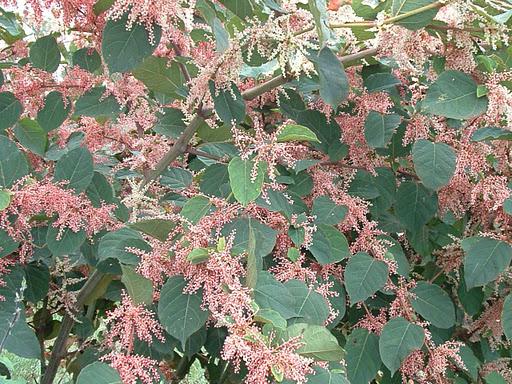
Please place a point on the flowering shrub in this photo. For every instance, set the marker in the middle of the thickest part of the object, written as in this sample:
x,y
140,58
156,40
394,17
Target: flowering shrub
x,y
275,190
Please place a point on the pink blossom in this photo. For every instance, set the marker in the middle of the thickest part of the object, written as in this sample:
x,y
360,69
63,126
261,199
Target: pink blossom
x,y
133,368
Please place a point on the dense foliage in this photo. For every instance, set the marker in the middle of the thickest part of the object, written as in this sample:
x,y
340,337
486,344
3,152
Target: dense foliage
x,y
274,190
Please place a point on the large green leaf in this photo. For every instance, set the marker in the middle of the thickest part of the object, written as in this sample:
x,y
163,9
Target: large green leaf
x,y
15,335
434,163
30,134
417,21
170,123
54,112
180,313
45,54
363,359
139,288
245,188
124,48
491,133
265,236
94,104
114,245
13,164
327,212
272,294
196,208
87,58
364,275
333,80
453,95
379,128
98,373
415,205
310,306
37,276
326,376
157,228
241,8
319,11
318,342
397,340
485,259
176,178
294,132
433,304
65,241
75,167
329,245
159,76
10,110
506,317
229,104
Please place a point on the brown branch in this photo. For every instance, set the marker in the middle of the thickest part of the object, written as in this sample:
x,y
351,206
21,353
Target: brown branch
x,y
60,347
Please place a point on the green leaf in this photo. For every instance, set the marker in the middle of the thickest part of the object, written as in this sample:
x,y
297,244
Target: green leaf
x,y
229,104
453,95
379,128
5,199
123,48
176,178
54,111
241,8
157,228
16,336
10,110
8,245
87,58
433,304
159,76
198,255
363,359
381,82
64,242
494,378
485,259
30,134
415,205
180,313
196,208
37,276
434,163
114,244
13,164
215,181
416,21
325,376
506,317
310,306
44,54
170,123
295,132
76,167
364,275
319,343
267,315
329,245
265,236
98,373
397,340
244,187
491,133
93,104
327,211
139,288
272,294
333,80
319,11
